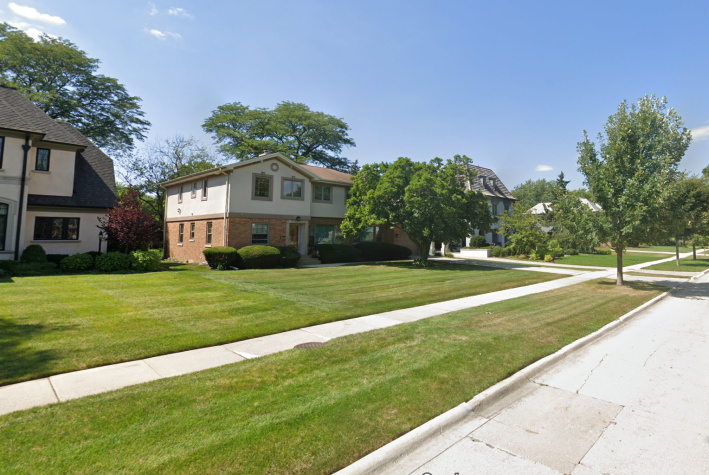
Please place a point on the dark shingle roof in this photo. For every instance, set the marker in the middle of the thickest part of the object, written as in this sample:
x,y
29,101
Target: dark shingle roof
x,y
498,190
19,113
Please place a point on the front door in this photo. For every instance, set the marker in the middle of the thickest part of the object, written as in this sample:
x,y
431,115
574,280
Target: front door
x,y
294,234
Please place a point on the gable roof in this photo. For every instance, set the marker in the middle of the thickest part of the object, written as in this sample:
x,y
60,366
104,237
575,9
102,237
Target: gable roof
x,y
314,173
21,114
539,207
498,190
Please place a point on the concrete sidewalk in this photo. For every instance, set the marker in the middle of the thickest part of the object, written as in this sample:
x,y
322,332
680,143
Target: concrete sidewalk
x,y
633,402
77,384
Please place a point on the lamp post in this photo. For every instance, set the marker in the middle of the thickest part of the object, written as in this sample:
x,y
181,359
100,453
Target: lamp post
x,y
100,238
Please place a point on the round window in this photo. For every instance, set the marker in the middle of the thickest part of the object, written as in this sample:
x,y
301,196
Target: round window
x,y
274,167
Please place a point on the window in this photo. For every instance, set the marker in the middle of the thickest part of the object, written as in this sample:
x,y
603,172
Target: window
x,y
292,189
42,162
194,190
259,233
322,193
326,234
181,236
348,195
56,229
209,234
4,210
371,234
205,185
191,231
179,194
2,151
261,187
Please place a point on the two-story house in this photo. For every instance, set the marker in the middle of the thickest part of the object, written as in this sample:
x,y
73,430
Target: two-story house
x,y
265,200
54,183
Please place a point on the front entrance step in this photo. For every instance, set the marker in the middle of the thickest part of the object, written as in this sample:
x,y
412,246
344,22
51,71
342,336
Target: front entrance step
x,y
308,261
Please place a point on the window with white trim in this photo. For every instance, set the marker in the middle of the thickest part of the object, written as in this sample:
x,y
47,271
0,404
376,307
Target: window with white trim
x,y
181,235
194,190
179,193
209,234
205,185
192,226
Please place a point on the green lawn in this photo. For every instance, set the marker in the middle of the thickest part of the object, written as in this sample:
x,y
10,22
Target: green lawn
x,y
62,323
686,265
599,260
308,411
661,248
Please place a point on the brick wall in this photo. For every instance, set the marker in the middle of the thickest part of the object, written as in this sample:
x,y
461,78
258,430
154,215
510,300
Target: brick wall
x,y
191,251
240,231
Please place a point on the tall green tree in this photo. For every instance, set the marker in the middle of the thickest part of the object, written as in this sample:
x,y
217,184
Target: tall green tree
x,y
290,128
63,81
631,171
532,192
524,229
160,161
429,201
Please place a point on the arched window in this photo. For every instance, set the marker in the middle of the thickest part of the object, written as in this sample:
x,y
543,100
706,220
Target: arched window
x,y
3,224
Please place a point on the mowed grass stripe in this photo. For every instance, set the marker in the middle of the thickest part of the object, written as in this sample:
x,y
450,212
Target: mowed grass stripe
x,y
309,411
55,324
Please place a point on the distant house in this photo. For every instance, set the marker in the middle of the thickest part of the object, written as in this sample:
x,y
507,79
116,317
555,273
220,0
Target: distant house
x,y
539,208
500,200
269,199
54,182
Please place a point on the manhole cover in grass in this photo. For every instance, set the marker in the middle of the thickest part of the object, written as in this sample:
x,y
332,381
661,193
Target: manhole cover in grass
x,y
312,344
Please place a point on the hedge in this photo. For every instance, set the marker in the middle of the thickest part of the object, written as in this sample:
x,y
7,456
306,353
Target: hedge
x,y
260,257
33,254
336,253
289,256
19,269
56,258
146,261
112,261
383,251
77,263
478,241
221,257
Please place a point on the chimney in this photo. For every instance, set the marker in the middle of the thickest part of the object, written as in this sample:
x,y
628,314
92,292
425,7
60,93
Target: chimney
x,y
265,152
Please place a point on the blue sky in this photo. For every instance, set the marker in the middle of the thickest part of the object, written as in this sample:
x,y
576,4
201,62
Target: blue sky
x,y
510,84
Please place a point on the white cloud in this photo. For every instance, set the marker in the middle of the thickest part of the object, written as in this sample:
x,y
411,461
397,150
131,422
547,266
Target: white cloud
x,y
33,14
700,133
163,35
180,12
30,30
152,9
543,168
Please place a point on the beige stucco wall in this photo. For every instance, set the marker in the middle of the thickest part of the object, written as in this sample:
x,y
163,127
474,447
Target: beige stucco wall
x,y
10,185
88,232
214,204
241,190
59,180
336,209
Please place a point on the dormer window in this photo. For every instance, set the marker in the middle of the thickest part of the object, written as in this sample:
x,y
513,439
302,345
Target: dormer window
x,y
492,183
42,162
484,181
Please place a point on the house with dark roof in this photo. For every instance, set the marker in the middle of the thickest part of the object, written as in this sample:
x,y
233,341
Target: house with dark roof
x,y
498,197
54,183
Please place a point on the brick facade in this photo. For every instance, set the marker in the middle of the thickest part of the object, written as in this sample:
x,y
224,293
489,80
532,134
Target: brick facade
x,y
240,231
191,251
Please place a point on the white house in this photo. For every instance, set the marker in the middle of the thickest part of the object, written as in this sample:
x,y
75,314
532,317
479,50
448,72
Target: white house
x,y
54,183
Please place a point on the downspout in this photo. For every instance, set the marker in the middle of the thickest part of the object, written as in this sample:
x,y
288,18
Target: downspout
x,y
164,227
25,148
226,210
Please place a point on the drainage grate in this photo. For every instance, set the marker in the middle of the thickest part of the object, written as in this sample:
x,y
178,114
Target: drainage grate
x,y
312,344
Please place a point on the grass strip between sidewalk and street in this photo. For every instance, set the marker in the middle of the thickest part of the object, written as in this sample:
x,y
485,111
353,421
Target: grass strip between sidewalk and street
x,y
687,264
60,323
309,411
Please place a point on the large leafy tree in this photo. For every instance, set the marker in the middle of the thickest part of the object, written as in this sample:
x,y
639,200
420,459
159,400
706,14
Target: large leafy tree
x,y
532,192
63,81
290,128
524,229
429,201
631,170
160,161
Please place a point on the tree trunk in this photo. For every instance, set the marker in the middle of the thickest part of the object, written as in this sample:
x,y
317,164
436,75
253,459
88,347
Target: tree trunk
x,y
619,262
677,250
694,250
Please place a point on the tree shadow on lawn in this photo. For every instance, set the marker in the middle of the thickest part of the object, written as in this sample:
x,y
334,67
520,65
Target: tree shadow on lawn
x,y
17,358
435,266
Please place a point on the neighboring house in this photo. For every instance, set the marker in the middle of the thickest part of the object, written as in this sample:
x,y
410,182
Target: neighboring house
x,y
265,200
500,200
539,208
54,183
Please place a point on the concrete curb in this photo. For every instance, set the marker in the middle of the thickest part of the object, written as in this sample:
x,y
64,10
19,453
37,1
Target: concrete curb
x,y
692,279
406,443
